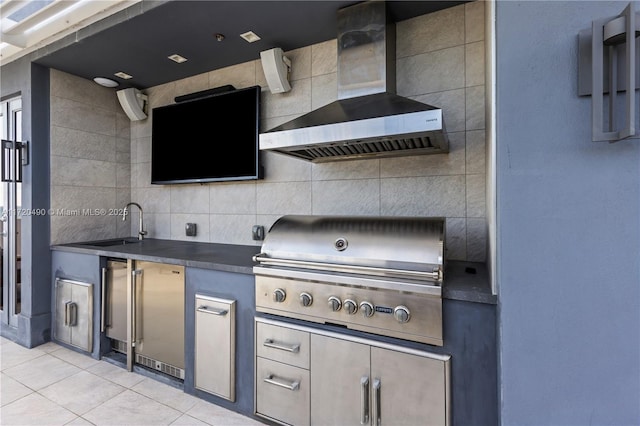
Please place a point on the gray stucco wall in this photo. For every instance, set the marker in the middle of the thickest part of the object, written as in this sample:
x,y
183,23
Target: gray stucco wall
x,y
31,83
569,230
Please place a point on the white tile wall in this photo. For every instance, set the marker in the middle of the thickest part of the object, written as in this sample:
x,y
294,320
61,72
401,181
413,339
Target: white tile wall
x,y
440,61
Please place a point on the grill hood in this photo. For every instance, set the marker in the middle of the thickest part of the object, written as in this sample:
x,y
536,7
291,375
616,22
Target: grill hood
x,y
368,119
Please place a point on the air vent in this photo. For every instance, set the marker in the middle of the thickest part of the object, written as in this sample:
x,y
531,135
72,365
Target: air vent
x,y
160,366
119,346
355,150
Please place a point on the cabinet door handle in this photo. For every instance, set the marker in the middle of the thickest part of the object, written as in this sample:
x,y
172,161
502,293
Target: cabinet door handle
x,y
103,304
269,343
292,386
377,416
212,311
364,400
70,314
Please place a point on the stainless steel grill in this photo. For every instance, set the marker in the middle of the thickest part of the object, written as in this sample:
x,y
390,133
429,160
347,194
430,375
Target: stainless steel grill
x,y
381,275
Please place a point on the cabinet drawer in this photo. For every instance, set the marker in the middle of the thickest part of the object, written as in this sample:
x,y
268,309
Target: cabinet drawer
x,y
282,344
282,392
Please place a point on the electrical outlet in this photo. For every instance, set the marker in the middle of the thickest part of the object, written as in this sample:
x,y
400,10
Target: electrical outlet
x,y
257,232
191,229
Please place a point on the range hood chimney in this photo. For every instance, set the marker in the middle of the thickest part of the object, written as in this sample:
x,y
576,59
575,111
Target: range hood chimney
x,y
368,119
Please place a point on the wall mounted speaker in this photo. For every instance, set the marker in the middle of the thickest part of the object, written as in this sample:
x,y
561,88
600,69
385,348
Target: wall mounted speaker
x,y
277,68
134,103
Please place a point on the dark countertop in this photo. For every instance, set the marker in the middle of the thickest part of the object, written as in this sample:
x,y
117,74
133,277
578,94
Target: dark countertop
x,y
466,281
221,257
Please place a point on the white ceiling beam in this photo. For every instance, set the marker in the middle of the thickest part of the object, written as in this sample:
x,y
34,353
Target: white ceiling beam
x,y
7,7
83,15
19,40
40,16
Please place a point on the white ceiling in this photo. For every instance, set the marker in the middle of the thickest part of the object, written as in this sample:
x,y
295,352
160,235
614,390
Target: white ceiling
x,y
26,25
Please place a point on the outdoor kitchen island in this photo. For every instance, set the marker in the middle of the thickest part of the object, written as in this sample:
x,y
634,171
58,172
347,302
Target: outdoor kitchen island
x,y
225,272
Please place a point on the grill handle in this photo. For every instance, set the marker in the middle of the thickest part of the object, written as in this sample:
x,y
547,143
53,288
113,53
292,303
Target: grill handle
x,y
432,276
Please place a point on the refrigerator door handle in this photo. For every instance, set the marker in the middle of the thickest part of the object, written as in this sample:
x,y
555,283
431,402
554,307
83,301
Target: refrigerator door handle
x,y
103,301
137,305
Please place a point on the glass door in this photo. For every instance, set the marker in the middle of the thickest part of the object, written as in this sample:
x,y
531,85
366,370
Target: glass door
x,y
11,151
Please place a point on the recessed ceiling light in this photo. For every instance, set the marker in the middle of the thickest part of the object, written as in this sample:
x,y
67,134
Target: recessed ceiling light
x,y
250,36
106,82
177,58
123,75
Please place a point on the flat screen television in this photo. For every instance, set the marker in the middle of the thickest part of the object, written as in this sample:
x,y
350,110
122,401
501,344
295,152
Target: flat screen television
x,y
208,139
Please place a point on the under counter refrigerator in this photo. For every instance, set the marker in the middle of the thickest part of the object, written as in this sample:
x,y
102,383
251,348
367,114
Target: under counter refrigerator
x,y
158,316
114,299
145,306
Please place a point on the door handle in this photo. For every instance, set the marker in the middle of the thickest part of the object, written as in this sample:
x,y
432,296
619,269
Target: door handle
x,y
11,160
292,386
269,343
212,311
70,314
18,164
5,160
364,400
377,416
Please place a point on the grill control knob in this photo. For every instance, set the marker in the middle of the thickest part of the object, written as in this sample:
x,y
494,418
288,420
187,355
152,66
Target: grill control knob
x,y
401,314
306,299
367,309
279,295
350,306
334,303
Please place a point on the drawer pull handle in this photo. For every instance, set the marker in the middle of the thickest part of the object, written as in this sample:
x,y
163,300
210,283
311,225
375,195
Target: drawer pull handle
x,y
292,386
295,348
213,311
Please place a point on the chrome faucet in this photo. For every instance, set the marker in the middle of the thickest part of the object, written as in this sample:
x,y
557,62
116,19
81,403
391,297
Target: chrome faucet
x,y
141,231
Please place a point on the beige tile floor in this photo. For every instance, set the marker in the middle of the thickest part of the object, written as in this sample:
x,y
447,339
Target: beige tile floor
x,y
52,385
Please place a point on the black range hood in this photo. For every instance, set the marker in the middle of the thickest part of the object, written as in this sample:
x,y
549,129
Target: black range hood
x,y
368,119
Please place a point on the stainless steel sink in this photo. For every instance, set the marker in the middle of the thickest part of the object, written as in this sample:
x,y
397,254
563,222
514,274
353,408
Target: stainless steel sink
x,y
113,242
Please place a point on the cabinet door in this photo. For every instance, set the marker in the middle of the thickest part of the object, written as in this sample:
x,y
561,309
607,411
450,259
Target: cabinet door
x,y
62,331
408,389
340,382
215,346
74,313
81,316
